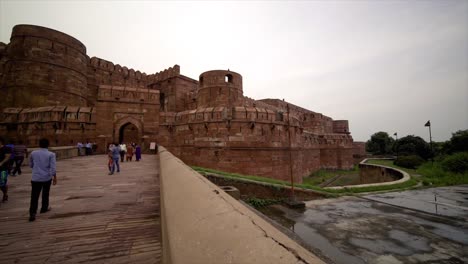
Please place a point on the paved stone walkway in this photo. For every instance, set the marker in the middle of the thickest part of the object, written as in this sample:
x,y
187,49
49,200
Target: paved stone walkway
x,y
95,217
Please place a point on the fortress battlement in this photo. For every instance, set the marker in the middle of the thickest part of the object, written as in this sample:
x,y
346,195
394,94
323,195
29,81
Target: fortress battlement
x,y
53,89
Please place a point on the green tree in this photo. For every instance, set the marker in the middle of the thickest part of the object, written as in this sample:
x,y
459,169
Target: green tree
x,y
458,142
413,145
380,143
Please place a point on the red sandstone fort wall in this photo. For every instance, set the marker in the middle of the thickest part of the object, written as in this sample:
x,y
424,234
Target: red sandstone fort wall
x,y
44,67
68,97
255,141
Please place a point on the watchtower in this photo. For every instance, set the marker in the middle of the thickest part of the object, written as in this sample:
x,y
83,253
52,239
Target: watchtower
x,y
45,67
220,88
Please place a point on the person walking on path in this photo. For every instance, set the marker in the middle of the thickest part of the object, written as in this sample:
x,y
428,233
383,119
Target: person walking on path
x,y
123,150
20,152
129,152
5,153
110,160
138,152
42,162
89,149
115,152
11,145
79,146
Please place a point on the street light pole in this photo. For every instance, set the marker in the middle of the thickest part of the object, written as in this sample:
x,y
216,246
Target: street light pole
x,y
396,139
428,124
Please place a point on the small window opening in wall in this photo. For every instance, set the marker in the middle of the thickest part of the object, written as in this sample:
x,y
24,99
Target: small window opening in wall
x,y
201,80
228,78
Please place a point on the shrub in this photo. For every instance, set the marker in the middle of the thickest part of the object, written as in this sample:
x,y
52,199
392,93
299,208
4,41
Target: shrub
x,y
258,202
457,163
409,162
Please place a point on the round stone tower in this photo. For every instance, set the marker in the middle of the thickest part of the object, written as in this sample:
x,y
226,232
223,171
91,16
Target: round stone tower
x,y
220,88
45,67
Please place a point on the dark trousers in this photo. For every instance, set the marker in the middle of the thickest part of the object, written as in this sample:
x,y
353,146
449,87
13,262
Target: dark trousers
x,y
35,192
18,163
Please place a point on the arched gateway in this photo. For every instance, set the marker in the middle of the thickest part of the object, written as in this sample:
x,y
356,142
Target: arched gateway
x,y
127,130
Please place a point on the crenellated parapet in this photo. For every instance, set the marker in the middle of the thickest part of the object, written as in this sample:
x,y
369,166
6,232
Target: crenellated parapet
x,y
103,72
164,75
341,127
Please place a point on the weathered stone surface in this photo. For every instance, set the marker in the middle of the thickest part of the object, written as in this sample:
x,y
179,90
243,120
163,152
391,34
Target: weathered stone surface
x,y
95,217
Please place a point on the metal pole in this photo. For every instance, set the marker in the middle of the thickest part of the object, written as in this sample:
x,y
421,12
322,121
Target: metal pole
x,y
396,139
430,140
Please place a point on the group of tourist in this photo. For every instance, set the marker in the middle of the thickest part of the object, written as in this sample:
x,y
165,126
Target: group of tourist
x,y
17,154
120,151
87,148
43,165
42,162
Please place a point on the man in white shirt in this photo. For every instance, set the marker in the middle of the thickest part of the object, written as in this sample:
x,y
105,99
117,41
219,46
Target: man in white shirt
x,y
123,150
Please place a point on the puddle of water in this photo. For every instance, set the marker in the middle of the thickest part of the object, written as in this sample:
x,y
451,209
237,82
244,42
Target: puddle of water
x,y
296,222
417,243
380,246
352,230
311,237
449,201
449,232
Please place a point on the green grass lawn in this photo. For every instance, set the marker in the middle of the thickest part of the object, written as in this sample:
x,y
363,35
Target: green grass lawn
x,y
308,185
321,176
429,173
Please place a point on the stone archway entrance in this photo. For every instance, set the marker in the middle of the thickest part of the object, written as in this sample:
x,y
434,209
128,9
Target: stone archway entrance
x,y
128,129
129,133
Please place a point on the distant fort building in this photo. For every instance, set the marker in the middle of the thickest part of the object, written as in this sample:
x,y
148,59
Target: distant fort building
x,y
51,88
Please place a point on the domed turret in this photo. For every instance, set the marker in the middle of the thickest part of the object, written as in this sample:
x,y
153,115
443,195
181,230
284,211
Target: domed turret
x,y
220,88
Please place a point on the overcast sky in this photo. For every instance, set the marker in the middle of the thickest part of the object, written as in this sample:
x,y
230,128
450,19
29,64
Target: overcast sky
x,y
383,65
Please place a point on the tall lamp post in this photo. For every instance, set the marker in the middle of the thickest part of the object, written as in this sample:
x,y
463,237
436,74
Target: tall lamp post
x,y
396,139
428,124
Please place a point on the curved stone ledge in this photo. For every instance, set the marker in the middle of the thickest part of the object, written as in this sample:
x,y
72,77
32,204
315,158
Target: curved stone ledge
x,y
202,224
64,152
404,176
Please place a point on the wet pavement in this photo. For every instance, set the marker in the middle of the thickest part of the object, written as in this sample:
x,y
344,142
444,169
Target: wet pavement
x,y
446,201
356,230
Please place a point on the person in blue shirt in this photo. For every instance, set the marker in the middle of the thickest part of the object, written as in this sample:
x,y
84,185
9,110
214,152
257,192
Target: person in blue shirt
x,y
5,153
11,145
42,162
115,153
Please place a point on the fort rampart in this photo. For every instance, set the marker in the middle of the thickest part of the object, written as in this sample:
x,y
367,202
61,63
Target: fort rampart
x,y
54,89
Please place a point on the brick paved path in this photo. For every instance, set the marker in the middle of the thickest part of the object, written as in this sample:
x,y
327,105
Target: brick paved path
x,y
95,217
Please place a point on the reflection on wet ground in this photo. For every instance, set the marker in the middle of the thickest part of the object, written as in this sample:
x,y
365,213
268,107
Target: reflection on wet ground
x,y
447,201
355,230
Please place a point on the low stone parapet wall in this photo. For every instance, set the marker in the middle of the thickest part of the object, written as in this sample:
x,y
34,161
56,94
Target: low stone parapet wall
x,y
203,224
249,188
64,152
377,175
